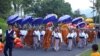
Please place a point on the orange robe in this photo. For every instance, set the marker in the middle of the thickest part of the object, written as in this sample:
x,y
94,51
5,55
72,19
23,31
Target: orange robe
x,y
47,39
77,38
64,35
17,33
29,37
91,36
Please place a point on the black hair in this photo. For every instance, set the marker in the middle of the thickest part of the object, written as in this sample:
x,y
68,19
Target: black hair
x,y
95,47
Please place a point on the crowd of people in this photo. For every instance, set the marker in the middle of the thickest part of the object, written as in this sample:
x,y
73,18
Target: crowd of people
x,y
46,37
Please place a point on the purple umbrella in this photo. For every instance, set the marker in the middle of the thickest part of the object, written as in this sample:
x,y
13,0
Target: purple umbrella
x,y
81,24
65,19
50,18
38,21
77,20
12,18
27,19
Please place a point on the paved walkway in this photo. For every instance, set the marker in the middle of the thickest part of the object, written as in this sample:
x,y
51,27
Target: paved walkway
x,y
63,51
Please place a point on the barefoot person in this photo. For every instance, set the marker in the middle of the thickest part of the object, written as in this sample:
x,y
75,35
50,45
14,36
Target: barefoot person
x,y
9,41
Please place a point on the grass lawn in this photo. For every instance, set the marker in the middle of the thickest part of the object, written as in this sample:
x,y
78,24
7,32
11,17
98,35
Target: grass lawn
x,y
87,53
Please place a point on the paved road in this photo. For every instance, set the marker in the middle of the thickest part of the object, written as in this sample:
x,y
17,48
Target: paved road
x,y
63,52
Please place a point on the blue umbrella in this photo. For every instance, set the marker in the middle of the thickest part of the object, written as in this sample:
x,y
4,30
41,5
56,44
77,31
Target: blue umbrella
x,y
38,21
27,19
12,18
50,18
77,20
81,24
65,19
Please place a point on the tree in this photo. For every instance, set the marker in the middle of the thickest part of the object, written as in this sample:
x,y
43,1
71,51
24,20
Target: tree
x,y
44,7
77,13
5,7
96,8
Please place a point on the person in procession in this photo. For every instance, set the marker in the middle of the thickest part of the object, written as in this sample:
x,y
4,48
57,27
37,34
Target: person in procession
x,y
57,39
36,38
9,38
29,37
23,33
74,37
48,36
42,33
83,38
70,37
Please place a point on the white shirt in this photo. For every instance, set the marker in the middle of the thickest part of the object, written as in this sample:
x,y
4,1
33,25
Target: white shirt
x,y
83,34
0,31
42,32
86,35
37,33
74,34
23,32
58,34
70,35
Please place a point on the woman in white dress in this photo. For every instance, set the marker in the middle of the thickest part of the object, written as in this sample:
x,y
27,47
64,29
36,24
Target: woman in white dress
x,y
57,39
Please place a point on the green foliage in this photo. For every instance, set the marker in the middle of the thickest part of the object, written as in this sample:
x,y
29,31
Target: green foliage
x,y
3,24
5,7
43,7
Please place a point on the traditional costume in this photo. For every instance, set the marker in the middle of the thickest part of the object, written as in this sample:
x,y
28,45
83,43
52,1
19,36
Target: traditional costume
x,y
83,39
47,37
70,37
36,37
64,31
92,36
29,38
58,39
17,32
23,34
42,33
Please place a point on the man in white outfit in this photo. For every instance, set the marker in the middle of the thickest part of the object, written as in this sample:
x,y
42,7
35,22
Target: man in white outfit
x,y
83,38
36,38
70,37
58,39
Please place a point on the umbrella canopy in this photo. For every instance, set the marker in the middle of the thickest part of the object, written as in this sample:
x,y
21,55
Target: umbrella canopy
x,y
89,20
50,18
37,21
11,19
27,19
65,19
77,20
81,24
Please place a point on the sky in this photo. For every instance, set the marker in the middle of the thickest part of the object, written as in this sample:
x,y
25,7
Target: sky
x,y
82,5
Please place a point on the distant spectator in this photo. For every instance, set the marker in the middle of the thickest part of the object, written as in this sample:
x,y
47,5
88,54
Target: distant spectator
x,y
95,50
0,34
